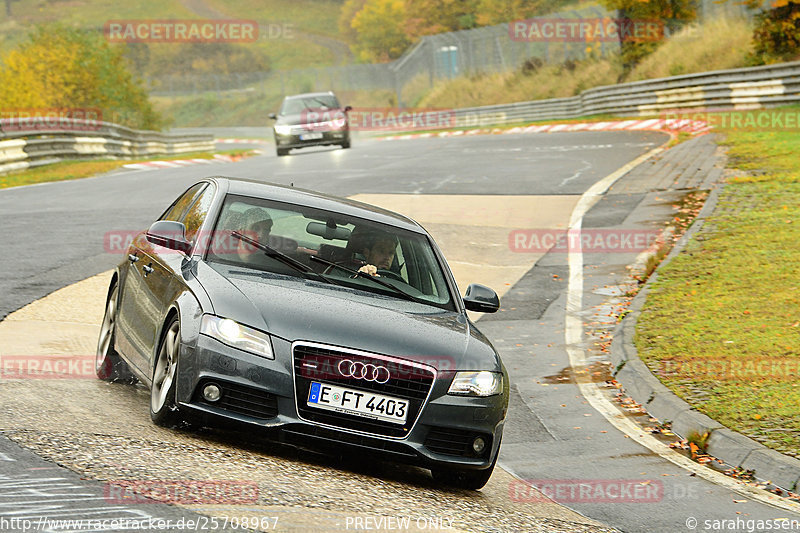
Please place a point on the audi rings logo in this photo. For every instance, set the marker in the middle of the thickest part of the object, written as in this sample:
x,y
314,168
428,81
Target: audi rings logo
x,y
365,371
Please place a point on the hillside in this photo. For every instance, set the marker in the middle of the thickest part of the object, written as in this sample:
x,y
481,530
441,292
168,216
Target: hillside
x,y
238,84
310,41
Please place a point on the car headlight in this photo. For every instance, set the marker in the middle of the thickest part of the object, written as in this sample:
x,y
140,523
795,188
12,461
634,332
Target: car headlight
x,y
477,384
283,129
236,335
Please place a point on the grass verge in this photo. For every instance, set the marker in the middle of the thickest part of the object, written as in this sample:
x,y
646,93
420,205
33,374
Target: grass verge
x,y
76,169
721,326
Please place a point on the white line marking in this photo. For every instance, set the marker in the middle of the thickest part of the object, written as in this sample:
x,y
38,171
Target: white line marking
x,y
4,457
573,335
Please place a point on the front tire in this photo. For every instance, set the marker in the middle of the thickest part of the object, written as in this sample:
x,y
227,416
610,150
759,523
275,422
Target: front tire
x,y
163,405
282,152
108,365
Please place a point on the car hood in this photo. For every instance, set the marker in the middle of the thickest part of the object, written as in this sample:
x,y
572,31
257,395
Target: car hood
x,y
296,309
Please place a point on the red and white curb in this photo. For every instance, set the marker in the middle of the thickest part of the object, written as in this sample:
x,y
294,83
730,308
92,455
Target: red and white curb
x,y
694,127
218,158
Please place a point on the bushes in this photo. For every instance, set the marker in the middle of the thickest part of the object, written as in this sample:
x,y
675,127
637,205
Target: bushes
x,y
777,34
68,68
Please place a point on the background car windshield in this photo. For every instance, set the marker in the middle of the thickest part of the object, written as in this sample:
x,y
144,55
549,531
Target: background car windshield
x,y
294,106
401,258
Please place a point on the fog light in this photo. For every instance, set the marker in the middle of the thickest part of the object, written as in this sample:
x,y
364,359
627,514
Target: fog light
x,y
212,393
478,445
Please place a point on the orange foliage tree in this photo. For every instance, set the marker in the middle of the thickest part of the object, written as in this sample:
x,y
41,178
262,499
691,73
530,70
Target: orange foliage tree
x,y
67,68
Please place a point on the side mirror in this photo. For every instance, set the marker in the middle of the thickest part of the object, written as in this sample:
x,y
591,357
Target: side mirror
x,y
481,299
273,116
169,234
347,108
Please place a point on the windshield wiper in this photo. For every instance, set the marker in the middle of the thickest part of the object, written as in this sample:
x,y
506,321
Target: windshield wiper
x,y
283,258
379,281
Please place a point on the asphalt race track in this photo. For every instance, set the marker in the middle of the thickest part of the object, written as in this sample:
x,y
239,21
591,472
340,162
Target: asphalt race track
x,y
470,192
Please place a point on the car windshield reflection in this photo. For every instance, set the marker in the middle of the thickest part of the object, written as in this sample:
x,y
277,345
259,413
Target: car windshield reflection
x,y
346,250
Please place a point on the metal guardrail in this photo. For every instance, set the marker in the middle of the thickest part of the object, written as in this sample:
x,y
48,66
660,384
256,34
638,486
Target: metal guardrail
x,y
744,88
24,145
673,97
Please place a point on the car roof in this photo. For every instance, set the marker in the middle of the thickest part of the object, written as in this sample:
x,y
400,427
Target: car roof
x,y
305,197
309,95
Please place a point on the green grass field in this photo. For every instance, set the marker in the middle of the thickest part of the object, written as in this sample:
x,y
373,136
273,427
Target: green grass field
x,y
721,326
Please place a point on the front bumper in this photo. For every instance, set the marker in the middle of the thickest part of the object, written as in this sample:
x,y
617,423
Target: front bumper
x,y
311,138
259,392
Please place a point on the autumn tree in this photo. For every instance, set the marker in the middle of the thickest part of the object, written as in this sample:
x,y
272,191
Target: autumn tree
x,y
348,12
382,29
777,33
673,14
498,11
61,67
379,30
427,17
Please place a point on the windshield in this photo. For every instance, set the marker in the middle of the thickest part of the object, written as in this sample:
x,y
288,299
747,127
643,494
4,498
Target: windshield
x,y
346,250
295,106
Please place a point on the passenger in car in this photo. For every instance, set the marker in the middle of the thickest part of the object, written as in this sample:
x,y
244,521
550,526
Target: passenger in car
x,y
256,224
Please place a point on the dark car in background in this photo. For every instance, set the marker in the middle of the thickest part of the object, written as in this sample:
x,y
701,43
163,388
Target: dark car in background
x,y
310,119
321,319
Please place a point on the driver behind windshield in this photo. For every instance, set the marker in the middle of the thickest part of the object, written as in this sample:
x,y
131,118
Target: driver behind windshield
x,y
377,249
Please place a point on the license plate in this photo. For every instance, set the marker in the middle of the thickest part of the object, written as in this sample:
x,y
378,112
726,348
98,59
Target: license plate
x,y
359,403
310,136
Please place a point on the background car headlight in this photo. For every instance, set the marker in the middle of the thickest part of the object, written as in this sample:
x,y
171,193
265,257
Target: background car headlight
x,y
477,384
236,335
283,129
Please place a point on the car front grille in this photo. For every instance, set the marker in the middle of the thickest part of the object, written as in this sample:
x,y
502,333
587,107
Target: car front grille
x,y
406,379
240,399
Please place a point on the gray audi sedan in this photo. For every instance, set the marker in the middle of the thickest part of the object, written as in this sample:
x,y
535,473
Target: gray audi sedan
x,y
326,322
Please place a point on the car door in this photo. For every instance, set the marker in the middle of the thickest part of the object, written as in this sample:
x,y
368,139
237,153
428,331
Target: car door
x,y
163,271
135,318
129,341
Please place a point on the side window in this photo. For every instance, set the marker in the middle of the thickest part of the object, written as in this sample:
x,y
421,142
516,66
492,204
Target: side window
x,y
196,214
177,209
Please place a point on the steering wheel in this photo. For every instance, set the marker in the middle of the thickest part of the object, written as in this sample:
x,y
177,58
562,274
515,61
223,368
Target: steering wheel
x,y
390,274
